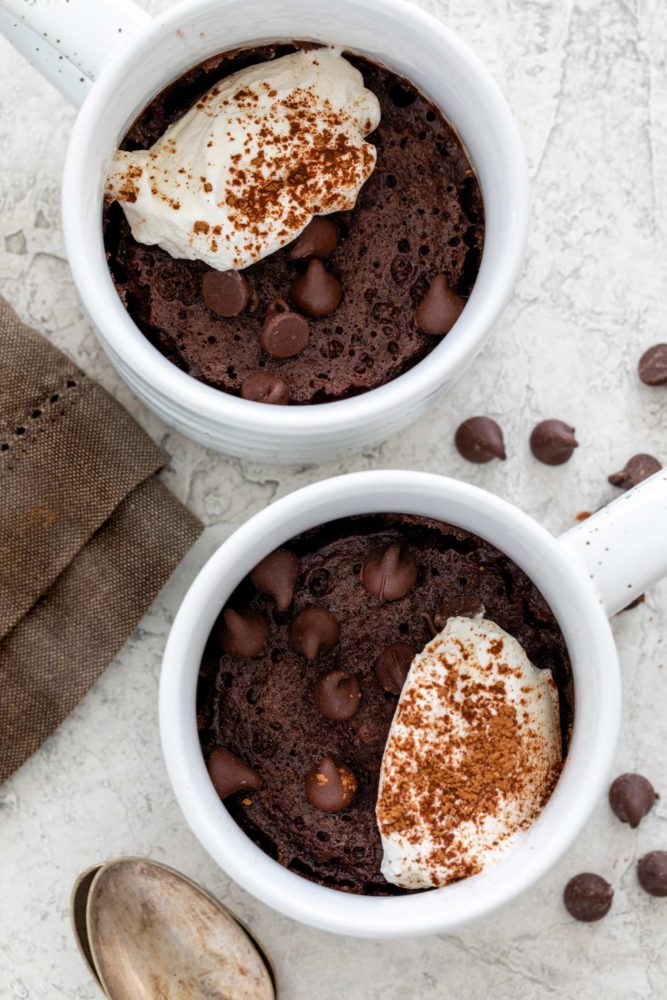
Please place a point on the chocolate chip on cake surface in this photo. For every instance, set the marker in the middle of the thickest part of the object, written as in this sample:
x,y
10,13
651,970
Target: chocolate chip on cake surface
x,y
337,695
439,309
313,631
330,786
553,442
631,797
284,333
317,292
393,664
318,239
225,292
588,897
463,607
480,439
276,576
243,633
390,572
652,873
261,387
229,774
636,470
653,365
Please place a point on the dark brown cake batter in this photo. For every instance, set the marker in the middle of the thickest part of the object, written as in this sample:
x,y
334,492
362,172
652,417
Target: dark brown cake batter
x,y
418,216
262,709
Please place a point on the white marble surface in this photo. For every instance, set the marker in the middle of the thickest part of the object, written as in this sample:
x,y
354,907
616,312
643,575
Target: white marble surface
x,y
587,80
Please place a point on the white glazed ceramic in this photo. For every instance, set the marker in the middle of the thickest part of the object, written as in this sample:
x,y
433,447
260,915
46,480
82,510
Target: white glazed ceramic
x,y
589,573
131,57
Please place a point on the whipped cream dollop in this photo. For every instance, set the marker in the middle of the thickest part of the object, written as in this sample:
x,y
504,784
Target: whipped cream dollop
x,y
243,172
473,754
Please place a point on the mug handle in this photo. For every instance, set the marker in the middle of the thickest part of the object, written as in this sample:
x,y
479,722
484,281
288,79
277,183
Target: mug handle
x,y
69,40
624,545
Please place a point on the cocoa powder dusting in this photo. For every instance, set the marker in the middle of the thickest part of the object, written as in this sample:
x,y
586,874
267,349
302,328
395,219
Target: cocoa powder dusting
x,y
476,766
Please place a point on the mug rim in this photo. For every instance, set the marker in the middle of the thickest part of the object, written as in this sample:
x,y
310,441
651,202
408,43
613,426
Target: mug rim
x,y
597,691
129,347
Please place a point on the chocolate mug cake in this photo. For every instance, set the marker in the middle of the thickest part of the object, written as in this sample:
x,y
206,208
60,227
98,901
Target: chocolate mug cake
x,y
362,292
312,687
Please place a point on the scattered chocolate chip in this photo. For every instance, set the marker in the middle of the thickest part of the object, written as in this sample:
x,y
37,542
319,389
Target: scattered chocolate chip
x,y
229,774
330,786
631,797
653,365
464,607
225,292
553,442
316,292
389,572
392,666
337,695
260,387
242,633
440,308
313,631
652,873
284,333
276,576
479,439
318,239
588,897
637,468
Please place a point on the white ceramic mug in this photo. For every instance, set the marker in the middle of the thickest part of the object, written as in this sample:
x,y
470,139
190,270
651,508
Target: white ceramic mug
x,y
589,573
130,57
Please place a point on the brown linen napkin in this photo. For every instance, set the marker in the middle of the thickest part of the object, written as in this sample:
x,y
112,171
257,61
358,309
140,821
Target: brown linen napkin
x,y
88,535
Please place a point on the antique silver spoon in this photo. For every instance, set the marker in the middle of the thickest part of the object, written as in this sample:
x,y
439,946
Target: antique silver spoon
x,y
146,931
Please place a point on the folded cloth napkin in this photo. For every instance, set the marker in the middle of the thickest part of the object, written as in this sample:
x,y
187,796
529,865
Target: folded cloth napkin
x,y
88,535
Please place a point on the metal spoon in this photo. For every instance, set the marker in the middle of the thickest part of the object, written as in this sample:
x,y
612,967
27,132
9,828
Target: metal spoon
x,y
146,931
77,907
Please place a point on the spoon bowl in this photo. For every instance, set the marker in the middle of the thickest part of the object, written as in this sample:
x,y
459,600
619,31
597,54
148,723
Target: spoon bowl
x,y
145,931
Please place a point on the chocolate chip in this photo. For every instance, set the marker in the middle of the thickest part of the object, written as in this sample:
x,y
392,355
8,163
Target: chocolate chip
x,y
284,333
440,308
653,365
229,774
260,387
276,576
389,572
631,797
553,442
463,607
479,439
317,292
225,292
392,666
638,468
588,897
242,633
652,873
330,786
318,239
313,631
337,695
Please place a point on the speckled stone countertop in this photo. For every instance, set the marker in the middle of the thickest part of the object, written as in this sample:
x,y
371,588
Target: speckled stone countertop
x,y
588,83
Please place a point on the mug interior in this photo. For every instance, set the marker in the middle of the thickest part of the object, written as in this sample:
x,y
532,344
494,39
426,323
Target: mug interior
x,y
390,31
577,608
